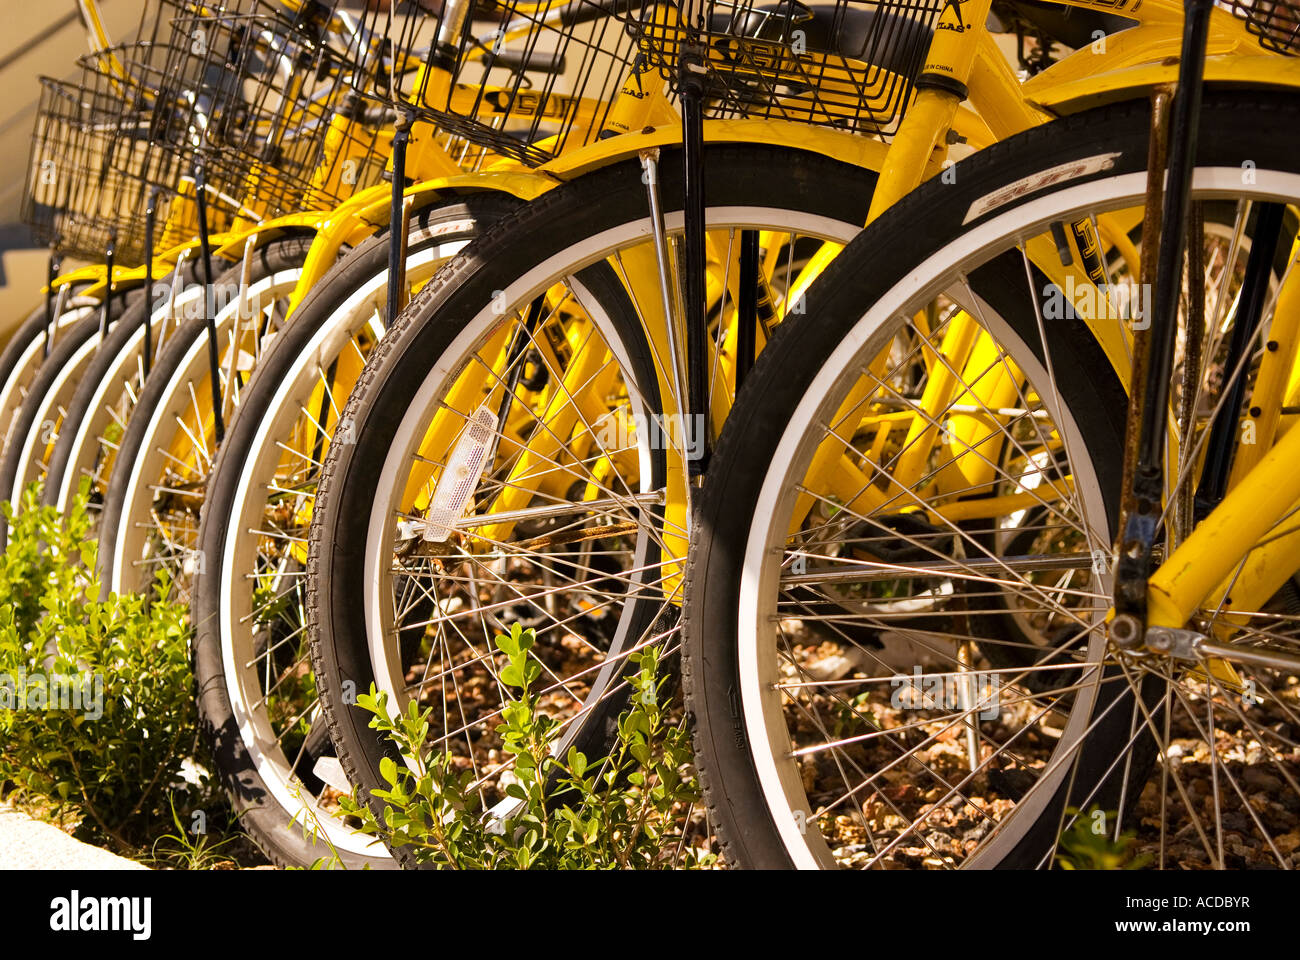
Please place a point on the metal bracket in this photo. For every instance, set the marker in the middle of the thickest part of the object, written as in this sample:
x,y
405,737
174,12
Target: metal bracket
x,y
241,306
1174,642
399,220
691,91
110,255
171,317
150,222
52,268
54,303
209,305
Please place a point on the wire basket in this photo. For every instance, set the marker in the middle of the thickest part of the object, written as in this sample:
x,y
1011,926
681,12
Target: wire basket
x,y
260,96
91,173
1275,22
840,64
93,166
524,79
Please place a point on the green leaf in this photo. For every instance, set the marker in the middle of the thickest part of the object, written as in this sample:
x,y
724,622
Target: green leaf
x,y
577,762
513,675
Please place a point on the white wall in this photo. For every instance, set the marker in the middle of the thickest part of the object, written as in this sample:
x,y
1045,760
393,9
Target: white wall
x,y
37,37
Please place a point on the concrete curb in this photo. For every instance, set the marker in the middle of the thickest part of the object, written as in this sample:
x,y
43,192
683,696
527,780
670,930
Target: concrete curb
x,y
27,844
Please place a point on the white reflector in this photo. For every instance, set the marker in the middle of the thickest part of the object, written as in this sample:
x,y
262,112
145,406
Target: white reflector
x,y
330,772
460,478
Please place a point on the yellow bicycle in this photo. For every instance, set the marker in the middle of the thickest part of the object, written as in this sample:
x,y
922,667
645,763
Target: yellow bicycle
x,y
933,620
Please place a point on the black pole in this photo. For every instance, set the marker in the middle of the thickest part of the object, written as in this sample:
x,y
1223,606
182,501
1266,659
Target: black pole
x,y
52,269
110,254
696,263
1184,124
747,306
1143,497
209,306
150,217
397,221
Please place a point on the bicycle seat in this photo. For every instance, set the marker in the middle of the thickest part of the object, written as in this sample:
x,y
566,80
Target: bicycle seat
x,y
856,33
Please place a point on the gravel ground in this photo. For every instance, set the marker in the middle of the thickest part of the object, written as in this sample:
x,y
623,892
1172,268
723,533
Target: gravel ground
x,y
27,844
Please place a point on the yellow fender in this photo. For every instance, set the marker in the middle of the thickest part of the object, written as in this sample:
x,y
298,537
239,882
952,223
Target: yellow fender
x,y
369,211
232,245
521,183
322,223
93,274
130,276
1133,61
1128,83
124,278
850,148
334,229
530,184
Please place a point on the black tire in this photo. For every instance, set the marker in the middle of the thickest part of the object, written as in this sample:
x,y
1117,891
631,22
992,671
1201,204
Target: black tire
x,y
1235,129
562,219
32,326
287,253
261,814
29,333
110,361
51,383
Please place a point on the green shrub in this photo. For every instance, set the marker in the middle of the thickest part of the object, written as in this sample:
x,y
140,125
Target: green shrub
x,y
111,752
624,811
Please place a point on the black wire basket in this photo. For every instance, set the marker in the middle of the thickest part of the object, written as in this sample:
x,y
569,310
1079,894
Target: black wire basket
x,y
1275,22
521,79
850,65
260,95
92,171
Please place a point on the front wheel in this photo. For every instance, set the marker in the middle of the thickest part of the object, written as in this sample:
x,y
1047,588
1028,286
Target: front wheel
x,y
518,458
257,695
896,654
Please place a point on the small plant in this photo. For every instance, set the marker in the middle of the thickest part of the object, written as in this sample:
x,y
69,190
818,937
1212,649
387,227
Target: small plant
x,y
623,811
187,850
1087,844
97,708
854,715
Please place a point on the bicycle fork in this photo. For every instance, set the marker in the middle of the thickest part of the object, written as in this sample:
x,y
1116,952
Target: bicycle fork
x,y
209,302
53,299
150,222
1150,608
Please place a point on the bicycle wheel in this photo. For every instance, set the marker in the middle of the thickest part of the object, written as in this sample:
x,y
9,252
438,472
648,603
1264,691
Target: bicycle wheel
x,y
25,353
37,422
942,455
151,507
536,337
97,415
257,696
